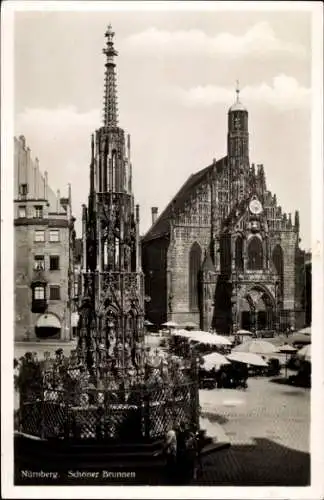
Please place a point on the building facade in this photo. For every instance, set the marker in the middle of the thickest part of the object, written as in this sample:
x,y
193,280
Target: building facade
x,y
223,254
44,242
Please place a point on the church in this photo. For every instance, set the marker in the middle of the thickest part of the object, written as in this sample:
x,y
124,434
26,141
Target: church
x,y
223,254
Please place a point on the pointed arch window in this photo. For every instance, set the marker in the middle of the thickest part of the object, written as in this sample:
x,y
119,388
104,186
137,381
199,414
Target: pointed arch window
x,y
239,253
278,262
277,259
194,269
255,254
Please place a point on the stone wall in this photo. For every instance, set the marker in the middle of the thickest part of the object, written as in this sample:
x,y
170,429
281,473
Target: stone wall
x,y
183,237
154,265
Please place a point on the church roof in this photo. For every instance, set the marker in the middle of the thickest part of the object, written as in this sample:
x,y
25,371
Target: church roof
x,y
162,225
237,106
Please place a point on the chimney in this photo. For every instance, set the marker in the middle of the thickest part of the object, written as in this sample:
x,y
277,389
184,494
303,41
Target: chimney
x,y
154,214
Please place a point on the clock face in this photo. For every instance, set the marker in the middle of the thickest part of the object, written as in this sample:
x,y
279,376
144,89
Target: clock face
x,y
255,207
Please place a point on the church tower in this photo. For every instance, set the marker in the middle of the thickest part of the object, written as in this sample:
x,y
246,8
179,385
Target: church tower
x,y
113,281
238,149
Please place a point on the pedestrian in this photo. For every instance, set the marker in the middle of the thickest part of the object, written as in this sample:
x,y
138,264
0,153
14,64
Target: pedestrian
x,y
190,458
170,454
181,452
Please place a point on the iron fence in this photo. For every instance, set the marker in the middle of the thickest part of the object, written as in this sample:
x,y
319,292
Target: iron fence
x,y
105,414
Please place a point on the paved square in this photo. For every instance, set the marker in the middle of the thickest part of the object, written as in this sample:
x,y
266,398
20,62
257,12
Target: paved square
x,y
268,426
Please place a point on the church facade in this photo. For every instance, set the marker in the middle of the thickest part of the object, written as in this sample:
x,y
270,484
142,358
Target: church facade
x,y
223,254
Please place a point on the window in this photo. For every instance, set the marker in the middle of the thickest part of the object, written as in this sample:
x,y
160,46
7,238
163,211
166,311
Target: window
x,y
22,212
54,235
194,269
39,212
76,289
55,292
39,293
255,254
54,263
39,263
239,263
23,189
39,235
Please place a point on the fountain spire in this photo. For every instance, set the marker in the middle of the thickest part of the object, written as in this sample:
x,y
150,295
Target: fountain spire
x,y
110,109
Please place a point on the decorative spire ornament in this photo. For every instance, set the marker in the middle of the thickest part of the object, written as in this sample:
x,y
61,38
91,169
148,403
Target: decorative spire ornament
x,y
237,90
110,110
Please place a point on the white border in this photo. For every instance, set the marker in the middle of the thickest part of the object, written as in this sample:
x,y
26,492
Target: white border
x,y
316,490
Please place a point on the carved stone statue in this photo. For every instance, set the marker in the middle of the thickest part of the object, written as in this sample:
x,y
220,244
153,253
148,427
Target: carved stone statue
x,y
119,355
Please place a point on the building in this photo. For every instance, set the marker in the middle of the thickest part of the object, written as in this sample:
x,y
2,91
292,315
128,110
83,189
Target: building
x,y
223,254
44,240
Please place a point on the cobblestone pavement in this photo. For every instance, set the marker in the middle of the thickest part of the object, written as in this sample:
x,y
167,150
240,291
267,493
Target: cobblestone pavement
x,y
268,426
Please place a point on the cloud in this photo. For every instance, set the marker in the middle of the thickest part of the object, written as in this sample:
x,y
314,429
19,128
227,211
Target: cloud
x,y
284,93
260,40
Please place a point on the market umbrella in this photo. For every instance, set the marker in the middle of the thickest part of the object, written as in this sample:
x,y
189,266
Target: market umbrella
x,y
256,347
248,358
148,323
214,360
243,332
209,338
287,349
305,352
305,331
300,338
278,341
170,324
181,333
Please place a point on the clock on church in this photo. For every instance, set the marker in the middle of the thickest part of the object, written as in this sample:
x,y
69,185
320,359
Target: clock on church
x,y
255,207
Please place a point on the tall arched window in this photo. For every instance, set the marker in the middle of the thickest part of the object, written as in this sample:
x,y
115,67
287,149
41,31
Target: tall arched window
x,y
277,259
255,254
194,269
278,262
239,253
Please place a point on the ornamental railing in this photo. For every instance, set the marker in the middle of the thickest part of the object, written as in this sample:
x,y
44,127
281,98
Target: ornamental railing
x,y
62,401
106,414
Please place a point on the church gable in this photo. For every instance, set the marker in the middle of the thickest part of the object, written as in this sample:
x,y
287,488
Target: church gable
x,y
190,206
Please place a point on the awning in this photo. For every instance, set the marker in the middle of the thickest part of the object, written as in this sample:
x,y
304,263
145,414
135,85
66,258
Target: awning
x,y
48,321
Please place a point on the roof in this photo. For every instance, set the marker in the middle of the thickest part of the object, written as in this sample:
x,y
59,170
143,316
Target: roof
x,y
162,226
237,106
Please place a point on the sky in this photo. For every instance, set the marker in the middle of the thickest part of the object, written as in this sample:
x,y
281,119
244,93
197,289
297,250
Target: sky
x,y
176,74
